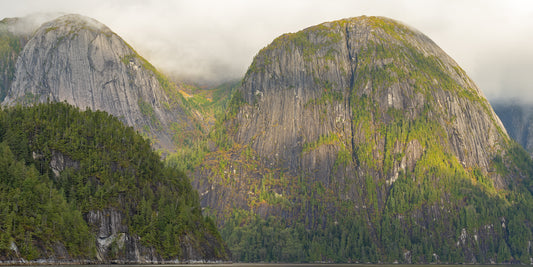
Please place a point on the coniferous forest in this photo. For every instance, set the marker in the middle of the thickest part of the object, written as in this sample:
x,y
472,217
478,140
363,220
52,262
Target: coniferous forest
x,y
58,163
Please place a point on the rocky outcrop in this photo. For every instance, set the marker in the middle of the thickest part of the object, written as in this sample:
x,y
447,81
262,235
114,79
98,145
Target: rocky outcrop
x,y
518,120
114,243
81,61
60,162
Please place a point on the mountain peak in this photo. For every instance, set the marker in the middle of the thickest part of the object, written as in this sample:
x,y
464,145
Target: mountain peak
x,y
396,68
72,23
356,123
79,60
26,26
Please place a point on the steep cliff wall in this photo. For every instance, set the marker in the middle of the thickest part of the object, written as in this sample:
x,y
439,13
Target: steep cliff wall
x,y
307,85
358,129
81,61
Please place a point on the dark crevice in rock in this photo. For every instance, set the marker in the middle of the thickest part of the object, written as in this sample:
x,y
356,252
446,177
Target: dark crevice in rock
x,y
352,59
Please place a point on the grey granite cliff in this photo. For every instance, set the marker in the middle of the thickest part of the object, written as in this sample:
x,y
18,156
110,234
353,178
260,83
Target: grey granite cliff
x,y
338,88
334,120
81,61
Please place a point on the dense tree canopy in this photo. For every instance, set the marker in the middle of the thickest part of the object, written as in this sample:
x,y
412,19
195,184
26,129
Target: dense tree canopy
x,y
58,163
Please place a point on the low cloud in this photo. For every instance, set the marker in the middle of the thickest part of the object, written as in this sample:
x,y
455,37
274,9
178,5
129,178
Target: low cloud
x,y
214,41
26,25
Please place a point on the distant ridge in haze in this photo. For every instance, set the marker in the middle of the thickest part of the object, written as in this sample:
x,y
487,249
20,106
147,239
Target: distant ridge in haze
x,y
518,120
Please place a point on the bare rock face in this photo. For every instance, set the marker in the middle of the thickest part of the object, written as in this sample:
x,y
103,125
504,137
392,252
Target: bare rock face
x,y
304,91
113,240
79,60
357,97
60,162
116,244
345,121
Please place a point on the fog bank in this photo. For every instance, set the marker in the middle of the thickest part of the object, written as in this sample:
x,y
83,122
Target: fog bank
x,y
214,41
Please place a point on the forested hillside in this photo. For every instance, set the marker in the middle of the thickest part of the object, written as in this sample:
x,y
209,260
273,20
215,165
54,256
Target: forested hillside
x,y
81,186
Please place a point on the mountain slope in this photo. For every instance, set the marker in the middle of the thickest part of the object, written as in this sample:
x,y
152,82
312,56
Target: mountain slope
x,y
81,61
361,140
80,187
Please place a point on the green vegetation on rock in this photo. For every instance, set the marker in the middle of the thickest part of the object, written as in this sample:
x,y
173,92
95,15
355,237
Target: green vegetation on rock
x,y
361,147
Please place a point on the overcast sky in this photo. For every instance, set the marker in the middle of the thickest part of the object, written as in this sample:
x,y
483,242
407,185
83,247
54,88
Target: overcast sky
x,y
213,41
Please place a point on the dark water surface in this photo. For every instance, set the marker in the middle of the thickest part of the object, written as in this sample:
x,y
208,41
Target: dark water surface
x,y
346,265
356,265
327,265
273,265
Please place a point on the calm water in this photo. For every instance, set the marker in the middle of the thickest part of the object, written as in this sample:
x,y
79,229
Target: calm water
x,y
352,265
276,265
